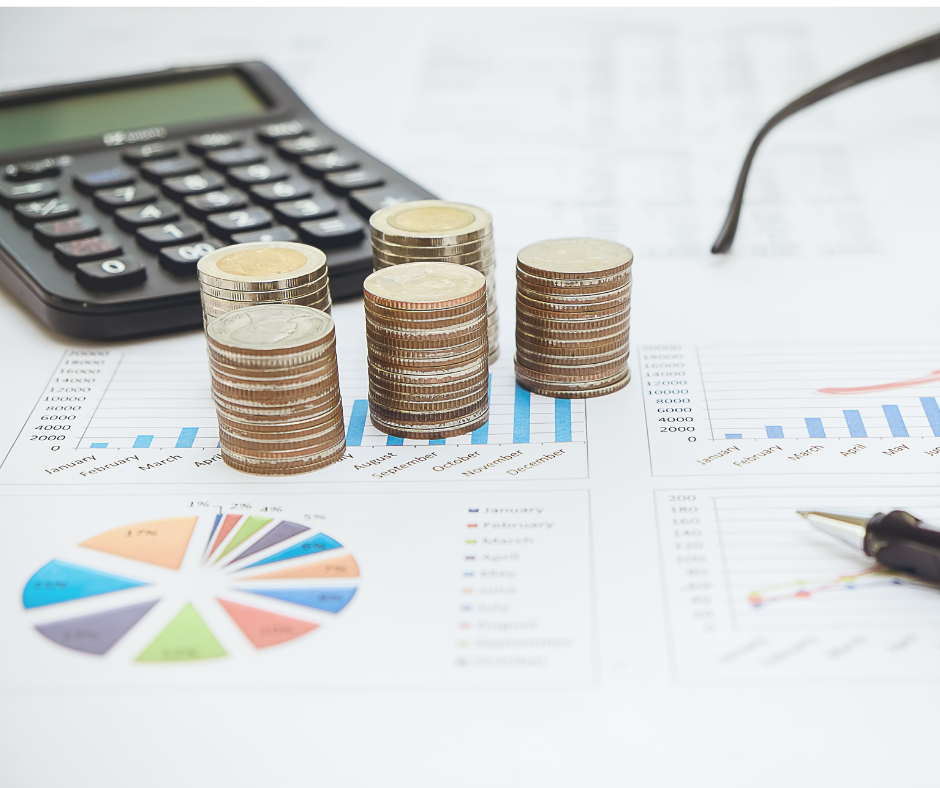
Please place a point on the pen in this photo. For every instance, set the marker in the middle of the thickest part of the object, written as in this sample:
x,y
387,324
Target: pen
x,y
896,539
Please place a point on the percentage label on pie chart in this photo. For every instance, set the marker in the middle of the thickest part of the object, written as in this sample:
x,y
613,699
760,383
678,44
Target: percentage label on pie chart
x,y
275,579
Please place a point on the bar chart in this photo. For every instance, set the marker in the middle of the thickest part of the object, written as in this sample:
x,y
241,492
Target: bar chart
x,y
178,413
803,399
133,412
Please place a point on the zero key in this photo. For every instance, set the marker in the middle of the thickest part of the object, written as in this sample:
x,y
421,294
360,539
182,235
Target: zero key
x,y
115,273
71,253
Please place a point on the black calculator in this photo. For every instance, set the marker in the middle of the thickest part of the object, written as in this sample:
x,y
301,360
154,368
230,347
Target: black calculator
x,y
112,190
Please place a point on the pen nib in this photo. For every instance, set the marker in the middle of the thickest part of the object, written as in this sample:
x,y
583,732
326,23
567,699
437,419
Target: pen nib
x,y
848,528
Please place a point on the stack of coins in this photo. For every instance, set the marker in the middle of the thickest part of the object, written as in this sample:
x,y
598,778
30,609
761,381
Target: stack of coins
x,y
276,389
426,334
447,232
573,317
271,272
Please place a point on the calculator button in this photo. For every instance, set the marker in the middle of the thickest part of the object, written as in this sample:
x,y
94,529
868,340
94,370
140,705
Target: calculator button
x,y
274,234
154,150
13,193
214,140
224,225
197,183
345,182
257,173
50,233
182,259
331,233
88,182
303,146
160,212
318,166
71,253
28,213
155,238
38,168
367,201
235,157
170,168
274,132
304,210
270,193
109,200
115,273
201,205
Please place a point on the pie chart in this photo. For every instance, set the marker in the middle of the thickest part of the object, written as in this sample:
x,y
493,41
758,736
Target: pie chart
x,y
263,580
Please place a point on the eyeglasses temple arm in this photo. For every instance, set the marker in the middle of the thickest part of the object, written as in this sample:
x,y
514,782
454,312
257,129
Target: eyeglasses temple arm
x,y
922,51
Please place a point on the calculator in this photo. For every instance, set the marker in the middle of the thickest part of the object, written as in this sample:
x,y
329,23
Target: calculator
x,y
112,190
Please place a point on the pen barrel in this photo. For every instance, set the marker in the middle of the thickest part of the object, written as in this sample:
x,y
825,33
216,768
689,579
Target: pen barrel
x,y
900,541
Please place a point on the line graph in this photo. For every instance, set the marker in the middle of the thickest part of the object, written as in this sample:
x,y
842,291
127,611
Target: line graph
x,y
753,591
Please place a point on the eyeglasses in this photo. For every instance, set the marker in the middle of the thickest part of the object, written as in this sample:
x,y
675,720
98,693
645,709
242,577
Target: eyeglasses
x,y
922,51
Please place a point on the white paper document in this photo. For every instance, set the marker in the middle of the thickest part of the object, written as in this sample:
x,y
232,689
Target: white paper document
x,y
604,591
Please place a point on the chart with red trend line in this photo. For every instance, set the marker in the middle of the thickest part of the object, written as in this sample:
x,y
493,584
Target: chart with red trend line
x,y
296,590
792,410
756,594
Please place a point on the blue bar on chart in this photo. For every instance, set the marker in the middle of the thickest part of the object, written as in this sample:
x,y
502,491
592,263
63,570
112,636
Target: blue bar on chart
x,y
932,410
99,445
853,420
815,428
520,416
437,442
143,441
357,422
186,438
734,436
482,434
774,432
563,421
393,441
895,422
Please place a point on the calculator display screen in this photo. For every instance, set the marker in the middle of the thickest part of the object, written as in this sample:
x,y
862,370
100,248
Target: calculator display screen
x,y
85,115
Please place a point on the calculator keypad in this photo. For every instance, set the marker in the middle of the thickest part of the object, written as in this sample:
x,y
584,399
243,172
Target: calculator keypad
x,y
206,191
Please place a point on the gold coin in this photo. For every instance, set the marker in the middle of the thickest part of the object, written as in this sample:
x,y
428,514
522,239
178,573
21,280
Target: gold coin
x,y
484,245
271,328
424,286
574,258
431,223
319,287
262,265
